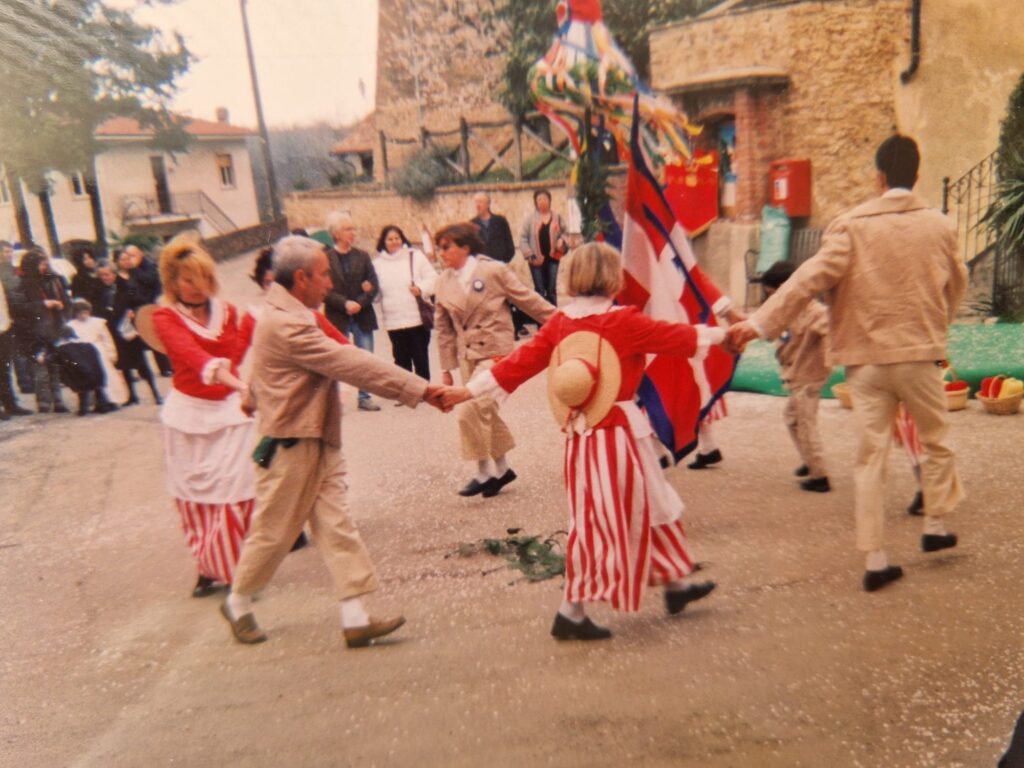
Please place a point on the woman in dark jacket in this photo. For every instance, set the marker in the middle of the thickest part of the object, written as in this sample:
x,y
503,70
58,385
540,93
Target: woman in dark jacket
x,y
43,307
86,284
117,306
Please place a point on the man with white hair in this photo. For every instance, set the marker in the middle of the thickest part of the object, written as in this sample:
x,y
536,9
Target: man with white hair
x,y
300,472
349,304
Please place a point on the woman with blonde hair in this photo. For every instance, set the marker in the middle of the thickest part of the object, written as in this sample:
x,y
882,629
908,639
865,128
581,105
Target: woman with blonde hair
x,y
625,531
207,437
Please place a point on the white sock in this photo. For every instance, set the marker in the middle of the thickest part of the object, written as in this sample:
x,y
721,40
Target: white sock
x,y
239,605
572,611
353,614
934,526
675,586
877,560
483,470
500,466
706,442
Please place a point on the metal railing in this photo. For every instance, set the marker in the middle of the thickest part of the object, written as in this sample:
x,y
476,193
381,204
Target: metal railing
x,y
967,200
197,204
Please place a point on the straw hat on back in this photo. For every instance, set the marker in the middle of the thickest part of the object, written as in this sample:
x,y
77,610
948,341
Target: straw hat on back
x,y
584,377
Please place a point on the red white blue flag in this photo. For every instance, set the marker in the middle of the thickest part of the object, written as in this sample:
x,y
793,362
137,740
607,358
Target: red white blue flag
x,y
665,282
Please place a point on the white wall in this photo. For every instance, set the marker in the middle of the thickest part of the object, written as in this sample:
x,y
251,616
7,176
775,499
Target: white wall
x,y
124,169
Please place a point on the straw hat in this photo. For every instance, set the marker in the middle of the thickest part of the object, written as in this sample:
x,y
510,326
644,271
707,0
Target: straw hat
x,y
584,376
144,325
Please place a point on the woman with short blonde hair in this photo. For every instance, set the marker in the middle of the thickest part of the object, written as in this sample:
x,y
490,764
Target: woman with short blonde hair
x,y
598,271
207,437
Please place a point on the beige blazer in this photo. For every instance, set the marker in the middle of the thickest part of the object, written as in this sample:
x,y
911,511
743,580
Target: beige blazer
x,y
892,277
476,324
296,368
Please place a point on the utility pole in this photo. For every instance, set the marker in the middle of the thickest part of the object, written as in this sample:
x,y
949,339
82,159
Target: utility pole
x,y
275,204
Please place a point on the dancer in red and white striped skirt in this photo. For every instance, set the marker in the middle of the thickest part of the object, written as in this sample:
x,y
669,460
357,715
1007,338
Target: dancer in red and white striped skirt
x,y
207,437
625,532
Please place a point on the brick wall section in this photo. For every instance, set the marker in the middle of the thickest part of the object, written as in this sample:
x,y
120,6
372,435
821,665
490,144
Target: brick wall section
x,y
373,209
843,58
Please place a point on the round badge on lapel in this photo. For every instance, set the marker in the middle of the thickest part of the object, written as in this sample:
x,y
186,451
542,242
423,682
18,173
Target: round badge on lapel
x,y
478,285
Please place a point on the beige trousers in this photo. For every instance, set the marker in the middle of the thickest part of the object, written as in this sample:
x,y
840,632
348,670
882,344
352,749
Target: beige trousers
x,y
484,434
801,416
876,391
304,482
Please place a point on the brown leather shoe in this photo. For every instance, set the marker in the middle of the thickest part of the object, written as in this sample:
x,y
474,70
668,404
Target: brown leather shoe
x,y
360,637
245,630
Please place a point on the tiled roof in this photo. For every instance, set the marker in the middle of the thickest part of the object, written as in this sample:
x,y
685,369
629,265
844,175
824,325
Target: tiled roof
x,y
128,127
362,138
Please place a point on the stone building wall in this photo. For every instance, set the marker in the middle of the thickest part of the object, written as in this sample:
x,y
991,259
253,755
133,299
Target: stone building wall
x,y
843,60
452,47
373,209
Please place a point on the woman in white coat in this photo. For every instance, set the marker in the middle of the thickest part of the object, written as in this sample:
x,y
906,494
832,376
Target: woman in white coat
x,y
406,279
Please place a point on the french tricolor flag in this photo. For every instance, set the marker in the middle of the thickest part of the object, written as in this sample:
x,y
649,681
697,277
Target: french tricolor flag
x,y
665,282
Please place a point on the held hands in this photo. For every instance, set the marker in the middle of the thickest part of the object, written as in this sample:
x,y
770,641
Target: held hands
x,y
452,396
353,307
738,336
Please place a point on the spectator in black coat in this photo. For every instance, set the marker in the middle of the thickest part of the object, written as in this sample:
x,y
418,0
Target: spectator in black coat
x,y
494,230
144,276
42,306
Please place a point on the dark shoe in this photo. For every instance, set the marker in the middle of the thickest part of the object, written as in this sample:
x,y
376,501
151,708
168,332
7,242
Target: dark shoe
x,y
494,485
300,543
875,580
360,637
245,630
205,587
130,401
665,462
158,400
916,507
4,416
60,408
18,411
105,408
43,409
816,484
83,412
368,405
705,460
802,471
931,542
567,629
473,487
676,599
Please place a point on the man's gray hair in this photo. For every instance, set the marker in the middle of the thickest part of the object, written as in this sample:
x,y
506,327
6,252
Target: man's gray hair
x,y
293,253
484,195
335,219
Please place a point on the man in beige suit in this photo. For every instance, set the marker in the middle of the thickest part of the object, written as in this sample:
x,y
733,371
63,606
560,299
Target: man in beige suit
x,y
474,327
301,473
893,278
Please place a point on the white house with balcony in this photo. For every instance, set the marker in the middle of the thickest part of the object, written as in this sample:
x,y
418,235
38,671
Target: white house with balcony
x,y
209,187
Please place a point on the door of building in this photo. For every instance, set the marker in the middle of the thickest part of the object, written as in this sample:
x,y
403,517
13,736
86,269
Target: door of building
x,y
163,190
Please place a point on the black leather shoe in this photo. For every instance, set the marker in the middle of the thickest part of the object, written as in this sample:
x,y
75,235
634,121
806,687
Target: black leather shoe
x,y
494,485
802,471
567,629
931,542
300,543
875,580
60,408
816,484
705,460
18,411
473,487
205,587
676,599
916,507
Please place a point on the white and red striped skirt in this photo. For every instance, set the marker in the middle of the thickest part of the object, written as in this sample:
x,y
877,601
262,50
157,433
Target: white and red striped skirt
x,y
613,550
215,533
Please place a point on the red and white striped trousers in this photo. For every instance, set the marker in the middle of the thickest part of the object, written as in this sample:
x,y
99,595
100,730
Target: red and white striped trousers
x,y
613,551
215,533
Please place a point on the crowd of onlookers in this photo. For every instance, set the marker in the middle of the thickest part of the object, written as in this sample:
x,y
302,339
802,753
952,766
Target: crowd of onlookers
x,y
69,323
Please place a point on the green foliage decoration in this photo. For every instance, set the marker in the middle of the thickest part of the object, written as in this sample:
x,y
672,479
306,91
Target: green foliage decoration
x,y
536,558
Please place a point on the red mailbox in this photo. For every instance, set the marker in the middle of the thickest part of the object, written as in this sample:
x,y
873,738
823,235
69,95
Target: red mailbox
x,y
791,186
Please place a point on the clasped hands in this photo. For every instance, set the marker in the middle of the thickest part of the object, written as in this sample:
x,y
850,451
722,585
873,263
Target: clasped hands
x,y
444,397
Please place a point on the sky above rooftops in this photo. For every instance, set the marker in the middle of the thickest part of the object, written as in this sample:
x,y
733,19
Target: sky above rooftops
x,y
310,58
